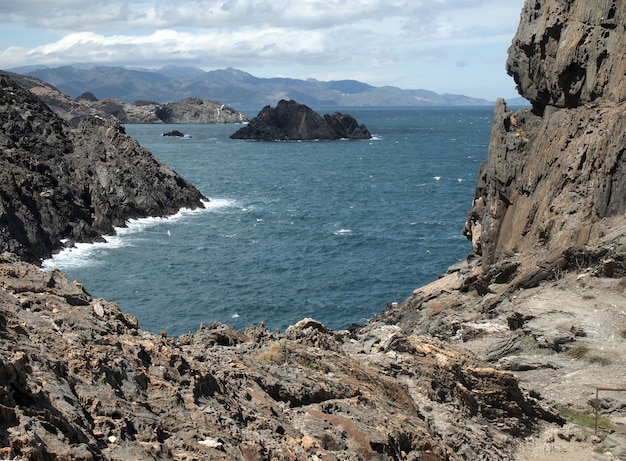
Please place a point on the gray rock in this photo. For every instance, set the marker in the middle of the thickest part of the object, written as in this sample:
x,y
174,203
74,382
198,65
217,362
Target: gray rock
x,y
62,183
566,54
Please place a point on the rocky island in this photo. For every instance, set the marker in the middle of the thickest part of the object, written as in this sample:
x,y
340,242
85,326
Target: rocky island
x,y
499,359
291,121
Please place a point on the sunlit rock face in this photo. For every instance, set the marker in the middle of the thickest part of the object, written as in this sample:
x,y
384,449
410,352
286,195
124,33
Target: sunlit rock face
x,y
554,172
568,53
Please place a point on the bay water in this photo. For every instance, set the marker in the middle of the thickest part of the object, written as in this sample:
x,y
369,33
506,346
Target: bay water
x,y
333,230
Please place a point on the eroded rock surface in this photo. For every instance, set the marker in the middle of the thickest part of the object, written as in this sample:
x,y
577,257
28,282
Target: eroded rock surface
x,y
81,380
568,53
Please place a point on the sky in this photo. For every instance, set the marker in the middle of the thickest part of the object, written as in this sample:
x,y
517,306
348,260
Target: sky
x,y
447,46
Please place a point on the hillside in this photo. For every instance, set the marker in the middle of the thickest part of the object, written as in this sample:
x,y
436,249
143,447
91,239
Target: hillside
x,y
232,87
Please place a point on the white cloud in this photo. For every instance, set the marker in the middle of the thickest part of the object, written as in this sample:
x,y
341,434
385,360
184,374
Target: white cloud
x,y
348,35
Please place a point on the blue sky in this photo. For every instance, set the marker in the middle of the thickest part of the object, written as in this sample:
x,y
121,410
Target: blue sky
x,y
447,46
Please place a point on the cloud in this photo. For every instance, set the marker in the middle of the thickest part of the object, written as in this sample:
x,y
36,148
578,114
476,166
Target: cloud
x,y
352,35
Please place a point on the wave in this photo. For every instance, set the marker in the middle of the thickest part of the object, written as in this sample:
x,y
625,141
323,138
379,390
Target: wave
x,y
83,254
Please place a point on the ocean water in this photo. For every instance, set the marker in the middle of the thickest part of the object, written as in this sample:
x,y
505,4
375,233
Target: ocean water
x,y
333,230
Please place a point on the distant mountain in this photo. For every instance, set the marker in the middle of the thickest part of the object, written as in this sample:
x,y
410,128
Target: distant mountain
x,y
233,87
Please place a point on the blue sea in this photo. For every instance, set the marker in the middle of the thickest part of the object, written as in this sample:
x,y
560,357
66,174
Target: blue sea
x,y
333,230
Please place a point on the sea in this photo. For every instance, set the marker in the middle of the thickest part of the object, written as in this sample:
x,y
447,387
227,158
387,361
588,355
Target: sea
x,y
333,230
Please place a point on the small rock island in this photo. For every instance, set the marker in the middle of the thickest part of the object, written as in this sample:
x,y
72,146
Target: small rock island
x,y
291,121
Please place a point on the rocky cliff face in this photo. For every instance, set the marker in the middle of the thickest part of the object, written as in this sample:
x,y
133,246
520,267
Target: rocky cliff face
x,y
555,173
568,53
61,183
290,121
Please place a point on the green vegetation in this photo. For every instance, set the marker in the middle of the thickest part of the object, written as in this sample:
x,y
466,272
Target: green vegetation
x,y
599,360
583,352
578,352
282,353
583,419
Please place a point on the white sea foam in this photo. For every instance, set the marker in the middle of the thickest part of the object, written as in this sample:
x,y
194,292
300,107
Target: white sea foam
x,y
84,254
343,231
436,178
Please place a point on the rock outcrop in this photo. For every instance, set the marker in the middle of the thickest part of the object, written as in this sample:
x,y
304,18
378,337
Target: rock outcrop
x,y
555,173
80,380
568,53
61,183
190,110
290,121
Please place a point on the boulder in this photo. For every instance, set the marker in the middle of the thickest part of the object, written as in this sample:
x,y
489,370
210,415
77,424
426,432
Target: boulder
x,y
291,121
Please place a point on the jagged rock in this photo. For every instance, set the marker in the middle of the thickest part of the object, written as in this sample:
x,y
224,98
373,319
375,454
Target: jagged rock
x,y
290,121
62,183
548,181
84,382
566,54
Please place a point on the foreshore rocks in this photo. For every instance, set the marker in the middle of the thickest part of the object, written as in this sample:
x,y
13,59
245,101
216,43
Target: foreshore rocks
x,y
291,121
60,183
81,380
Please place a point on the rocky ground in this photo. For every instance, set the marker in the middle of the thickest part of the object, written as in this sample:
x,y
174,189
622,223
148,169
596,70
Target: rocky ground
x,y
559,327
81,380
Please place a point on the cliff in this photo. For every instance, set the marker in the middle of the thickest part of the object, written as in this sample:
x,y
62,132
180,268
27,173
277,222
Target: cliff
x,y
544,293
61,183
555,173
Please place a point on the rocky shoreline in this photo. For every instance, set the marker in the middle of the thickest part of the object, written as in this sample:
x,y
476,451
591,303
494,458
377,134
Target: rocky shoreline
x,y
81,380
499,359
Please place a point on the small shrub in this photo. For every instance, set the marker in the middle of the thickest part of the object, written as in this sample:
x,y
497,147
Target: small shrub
x,y
577,352
309,361
623,332
281,354
276,354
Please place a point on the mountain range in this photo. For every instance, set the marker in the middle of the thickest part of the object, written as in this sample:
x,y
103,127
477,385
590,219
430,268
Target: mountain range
x,y
231,86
